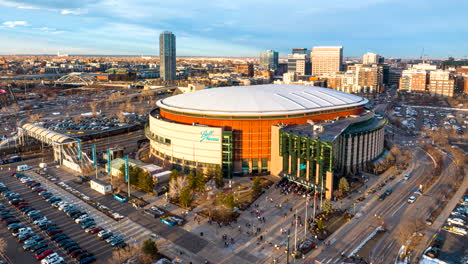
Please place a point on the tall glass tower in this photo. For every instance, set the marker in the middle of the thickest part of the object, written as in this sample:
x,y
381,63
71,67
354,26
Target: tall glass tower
x,y
269,59
167,56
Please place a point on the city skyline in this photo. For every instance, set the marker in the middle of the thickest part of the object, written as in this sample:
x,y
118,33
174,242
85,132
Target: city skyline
x,y
228,28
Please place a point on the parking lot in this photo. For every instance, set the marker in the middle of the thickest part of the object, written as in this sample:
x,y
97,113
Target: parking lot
x,y
432,119
87,241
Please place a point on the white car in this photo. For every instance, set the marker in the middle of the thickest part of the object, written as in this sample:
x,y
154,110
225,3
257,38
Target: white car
x,y
81,219
23,180
104,232
43,219
52,260
412,199
456,221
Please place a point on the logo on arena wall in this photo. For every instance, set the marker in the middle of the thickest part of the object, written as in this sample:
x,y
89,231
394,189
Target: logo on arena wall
x,y
208,136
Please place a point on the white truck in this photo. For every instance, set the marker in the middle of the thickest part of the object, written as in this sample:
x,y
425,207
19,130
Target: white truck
x,y
23,167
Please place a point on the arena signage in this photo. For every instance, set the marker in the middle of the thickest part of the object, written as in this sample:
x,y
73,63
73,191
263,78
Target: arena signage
x,y
208,136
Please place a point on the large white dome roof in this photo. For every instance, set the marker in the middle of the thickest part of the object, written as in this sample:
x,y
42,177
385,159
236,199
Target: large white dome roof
x,y
263,100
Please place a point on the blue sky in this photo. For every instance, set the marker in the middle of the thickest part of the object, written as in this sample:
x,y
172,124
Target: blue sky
x,y
393,28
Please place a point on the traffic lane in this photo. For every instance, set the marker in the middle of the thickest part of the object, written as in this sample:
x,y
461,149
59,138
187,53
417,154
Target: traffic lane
x,y
413,212
107,200
89,242
359,229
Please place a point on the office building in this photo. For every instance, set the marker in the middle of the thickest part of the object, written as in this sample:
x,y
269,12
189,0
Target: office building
x,y
246,69
269,60
371,58
358,79
441,83
299,63
301,51
326,60
413,81
311,134
167,56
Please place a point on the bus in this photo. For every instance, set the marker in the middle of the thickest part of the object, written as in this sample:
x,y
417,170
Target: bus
x,y
120,198
9,160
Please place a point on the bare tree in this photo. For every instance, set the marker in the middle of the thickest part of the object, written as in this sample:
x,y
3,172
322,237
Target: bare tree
x,y
93,106
177,185
35,117
3,245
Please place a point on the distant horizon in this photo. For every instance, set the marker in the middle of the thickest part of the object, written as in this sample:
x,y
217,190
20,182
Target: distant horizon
x,y
391,28
199,56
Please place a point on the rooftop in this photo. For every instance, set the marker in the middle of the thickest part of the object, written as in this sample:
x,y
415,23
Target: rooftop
x,y
332,129
261,100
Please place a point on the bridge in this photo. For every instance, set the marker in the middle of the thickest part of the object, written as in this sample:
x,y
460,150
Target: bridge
x,y
77,79
66,149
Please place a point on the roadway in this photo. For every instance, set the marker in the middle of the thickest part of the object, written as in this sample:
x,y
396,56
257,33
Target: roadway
x,y
375,213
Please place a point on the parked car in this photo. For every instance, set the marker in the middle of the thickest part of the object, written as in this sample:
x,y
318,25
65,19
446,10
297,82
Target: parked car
x,y
44,254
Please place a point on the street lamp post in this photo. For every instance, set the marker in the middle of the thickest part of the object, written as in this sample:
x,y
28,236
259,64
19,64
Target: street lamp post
x,y
287,251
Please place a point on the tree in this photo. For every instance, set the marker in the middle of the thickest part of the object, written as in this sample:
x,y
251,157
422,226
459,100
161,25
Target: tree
x,y
176,186
218,176
3,245
327,207
150,248
256,186
93,107
337,193
210,173
185,196
320,224
174,175
343,185
191,180
200,180
229,201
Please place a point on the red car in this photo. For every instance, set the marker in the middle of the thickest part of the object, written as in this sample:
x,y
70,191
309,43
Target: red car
x,y
44,254
21,204
96,230
54,232
34,185
40,190
77,252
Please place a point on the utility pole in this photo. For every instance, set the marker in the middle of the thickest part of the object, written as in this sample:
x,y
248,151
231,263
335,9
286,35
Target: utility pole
x,y
287,251
93,147
314,204
127,176
295,235
305,218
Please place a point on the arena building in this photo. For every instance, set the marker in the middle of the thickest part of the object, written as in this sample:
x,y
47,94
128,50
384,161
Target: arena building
x,y
309,134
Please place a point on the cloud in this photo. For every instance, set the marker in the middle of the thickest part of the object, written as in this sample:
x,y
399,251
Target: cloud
x,y
76,11
45,6
45,29
12,24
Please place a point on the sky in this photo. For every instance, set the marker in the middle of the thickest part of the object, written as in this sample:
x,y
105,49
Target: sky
x,y
237,28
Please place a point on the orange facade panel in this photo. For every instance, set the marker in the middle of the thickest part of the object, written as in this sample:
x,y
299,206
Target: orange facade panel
x,y
252,138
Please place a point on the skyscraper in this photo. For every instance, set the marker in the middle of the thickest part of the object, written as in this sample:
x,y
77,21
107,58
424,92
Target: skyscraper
x,y
326,60
167,56
269,59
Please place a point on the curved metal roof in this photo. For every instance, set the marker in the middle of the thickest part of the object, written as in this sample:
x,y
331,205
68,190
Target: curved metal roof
x,y
52,135
263,100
